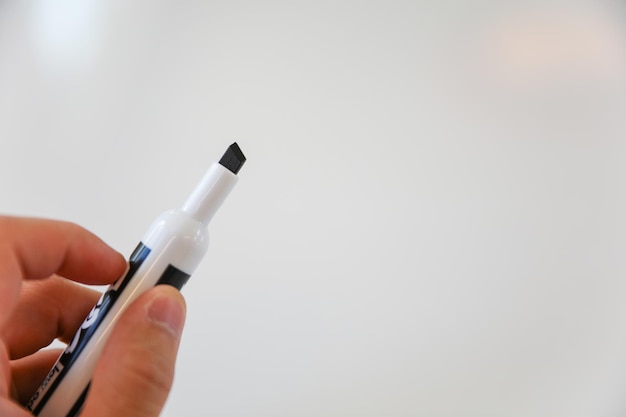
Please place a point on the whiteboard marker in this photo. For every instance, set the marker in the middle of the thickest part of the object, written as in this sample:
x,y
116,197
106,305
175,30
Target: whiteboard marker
x,y
168,254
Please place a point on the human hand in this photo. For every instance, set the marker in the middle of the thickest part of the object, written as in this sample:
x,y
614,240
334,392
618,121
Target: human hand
x,y
39,303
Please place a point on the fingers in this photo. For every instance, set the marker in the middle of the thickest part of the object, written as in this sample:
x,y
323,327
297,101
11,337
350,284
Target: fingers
x,y
43,247
47,309
10,409
136,369
5,371
36,248
27,373
7,407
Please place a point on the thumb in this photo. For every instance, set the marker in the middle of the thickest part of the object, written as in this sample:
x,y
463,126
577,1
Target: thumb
x,y
134,374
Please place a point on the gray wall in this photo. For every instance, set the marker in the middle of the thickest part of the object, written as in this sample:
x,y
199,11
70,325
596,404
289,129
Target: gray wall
x,y
431,220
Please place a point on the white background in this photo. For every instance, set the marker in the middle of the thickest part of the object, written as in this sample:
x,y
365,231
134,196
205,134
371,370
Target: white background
x,y
431,219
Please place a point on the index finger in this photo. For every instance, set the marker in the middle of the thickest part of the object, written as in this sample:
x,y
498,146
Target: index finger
x,y
38,248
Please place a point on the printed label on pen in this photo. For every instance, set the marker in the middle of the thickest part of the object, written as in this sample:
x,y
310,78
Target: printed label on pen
x,y
85,332
48,381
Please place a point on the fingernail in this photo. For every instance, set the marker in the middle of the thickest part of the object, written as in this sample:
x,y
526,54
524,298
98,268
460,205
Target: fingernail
x,y
168,312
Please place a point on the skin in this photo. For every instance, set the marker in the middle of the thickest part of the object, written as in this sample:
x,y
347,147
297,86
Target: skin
x,y
39,302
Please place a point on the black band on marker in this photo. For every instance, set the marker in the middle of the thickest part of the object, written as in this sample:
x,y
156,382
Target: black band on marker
x,y
174,277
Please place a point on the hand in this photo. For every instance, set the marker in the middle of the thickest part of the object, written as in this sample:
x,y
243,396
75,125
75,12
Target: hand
x,y
134,374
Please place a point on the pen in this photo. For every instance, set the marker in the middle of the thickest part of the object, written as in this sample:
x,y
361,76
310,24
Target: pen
x,y
168,254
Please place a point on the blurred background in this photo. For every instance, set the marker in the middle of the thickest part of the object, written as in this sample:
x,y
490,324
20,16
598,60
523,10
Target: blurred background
x,y
431,219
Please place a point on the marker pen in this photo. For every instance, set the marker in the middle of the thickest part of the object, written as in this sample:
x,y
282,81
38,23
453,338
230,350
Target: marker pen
x,y
168,254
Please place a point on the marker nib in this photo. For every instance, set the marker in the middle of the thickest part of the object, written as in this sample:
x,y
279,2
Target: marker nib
x,y
233,158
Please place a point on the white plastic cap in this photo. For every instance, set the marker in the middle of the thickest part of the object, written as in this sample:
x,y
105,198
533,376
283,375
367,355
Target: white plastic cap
x,y
210,193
